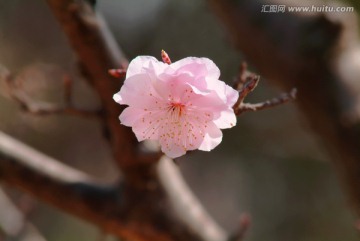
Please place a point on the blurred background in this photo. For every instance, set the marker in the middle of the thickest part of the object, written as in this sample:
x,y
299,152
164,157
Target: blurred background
x,y
270,165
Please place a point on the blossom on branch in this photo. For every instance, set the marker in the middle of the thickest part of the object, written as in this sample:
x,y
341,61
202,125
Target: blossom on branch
x,y
182,105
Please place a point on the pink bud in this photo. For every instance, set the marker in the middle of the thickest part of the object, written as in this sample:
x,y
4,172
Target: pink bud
x,y
117,73
165,57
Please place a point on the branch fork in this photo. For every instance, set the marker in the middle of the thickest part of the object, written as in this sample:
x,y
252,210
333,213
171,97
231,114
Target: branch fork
x,y
35,107
245,83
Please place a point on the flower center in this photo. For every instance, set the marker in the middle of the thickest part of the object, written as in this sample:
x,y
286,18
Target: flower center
x,y
176,109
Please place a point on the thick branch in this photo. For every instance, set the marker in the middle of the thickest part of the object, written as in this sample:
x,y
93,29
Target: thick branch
x,y
163,209
307,51
56,184
98,52
112,209
188,208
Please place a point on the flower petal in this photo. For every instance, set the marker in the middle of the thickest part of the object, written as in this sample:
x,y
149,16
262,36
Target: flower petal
x,y
227,119
213,137
117,97
138,91
130,115
141,63
231,94
174,151
225,92
147,127
190,62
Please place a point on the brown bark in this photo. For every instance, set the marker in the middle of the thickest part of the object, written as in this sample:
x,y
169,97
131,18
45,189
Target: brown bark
x,y
306,52
97,52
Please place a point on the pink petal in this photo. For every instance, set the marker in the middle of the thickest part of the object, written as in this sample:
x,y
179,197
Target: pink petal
x,y
213,137
178,137
137,91
168,143
117,98
147,127
206,100
141,63
174,152
173,86
225,92
227,119
130,115
232,95
212,70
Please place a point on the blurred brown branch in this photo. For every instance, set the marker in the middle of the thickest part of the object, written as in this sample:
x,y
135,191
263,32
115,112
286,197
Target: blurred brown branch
x,y
307,51
14,223
55,183
43,108
153,202
282,99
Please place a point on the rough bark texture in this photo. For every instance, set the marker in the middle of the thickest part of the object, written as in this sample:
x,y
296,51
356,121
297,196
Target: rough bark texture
x,y
308,52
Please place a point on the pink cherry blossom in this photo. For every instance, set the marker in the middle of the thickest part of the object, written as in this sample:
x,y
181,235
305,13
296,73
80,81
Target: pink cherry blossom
x,y
182,105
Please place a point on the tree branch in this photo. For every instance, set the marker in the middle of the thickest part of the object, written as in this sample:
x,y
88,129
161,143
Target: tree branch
x,y
164,209
14,222
309,52
56,184
245,83
186,205
282,99
97,53
43,108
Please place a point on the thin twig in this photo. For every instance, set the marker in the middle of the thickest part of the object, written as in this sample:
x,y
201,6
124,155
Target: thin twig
x,y
117,73
43,108
245,83
246,87
282,99
242,77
